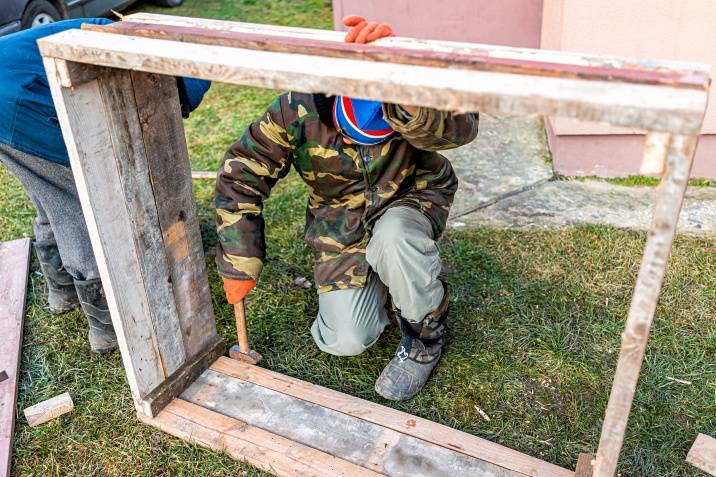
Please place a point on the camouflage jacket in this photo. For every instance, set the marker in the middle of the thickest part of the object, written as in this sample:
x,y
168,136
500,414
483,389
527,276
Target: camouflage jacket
x,y
350,185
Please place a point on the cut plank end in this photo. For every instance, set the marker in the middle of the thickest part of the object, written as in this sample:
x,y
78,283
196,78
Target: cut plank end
x,y
45,411
703,454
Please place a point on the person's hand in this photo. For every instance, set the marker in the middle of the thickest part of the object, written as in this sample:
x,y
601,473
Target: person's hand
x,y
363,32
236,290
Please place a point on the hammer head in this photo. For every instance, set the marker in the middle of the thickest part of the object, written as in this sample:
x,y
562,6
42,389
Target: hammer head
x,y
252,357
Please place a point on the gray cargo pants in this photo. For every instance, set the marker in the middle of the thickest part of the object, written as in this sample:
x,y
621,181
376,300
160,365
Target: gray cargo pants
x,y
405,261
59,219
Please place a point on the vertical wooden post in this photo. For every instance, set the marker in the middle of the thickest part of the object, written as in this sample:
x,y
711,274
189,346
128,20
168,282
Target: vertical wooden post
x,y
114,142
670,195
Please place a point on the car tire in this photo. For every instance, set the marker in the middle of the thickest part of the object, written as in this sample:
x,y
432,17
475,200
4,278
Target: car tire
x,y
39,12
168,3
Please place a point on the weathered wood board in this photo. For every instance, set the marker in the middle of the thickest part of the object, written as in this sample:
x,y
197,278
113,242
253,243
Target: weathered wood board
x,y
703,454
14,268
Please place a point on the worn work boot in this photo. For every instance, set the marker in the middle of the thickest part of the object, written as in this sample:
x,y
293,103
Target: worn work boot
x,y
418,353
102,338
61,293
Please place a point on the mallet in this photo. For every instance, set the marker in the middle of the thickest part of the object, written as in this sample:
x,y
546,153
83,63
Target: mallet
x,y
241,351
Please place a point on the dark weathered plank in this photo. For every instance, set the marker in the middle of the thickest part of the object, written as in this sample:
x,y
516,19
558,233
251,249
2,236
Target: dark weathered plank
x,y
350,438
475,58
260,448
130,158
389,418
14,265
168,164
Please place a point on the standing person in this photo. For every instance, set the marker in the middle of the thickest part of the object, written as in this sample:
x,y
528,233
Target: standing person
x,y
379,199
32,148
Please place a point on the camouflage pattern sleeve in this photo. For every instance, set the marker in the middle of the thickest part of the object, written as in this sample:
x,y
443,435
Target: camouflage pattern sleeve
x,y
431,129
250,169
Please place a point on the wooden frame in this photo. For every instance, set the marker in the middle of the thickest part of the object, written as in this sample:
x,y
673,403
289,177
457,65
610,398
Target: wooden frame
x,y
116,99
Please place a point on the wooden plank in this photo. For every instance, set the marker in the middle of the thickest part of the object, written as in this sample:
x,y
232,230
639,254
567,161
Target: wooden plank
x,y
563,58
670,195
399,421
584,465
160,118
264,450
652,107
14,268
174,385
50,409
203,175
467,58
85,127
703,454
350,438
72,74
146,240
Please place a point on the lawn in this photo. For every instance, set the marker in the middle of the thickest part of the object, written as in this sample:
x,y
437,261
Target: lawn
x,y
534,329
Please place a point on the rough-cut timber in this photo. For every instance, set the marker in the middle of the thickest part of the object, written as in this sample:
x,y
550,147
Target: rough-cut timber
x,y
677,107
262,449
14,267
391,419
584,466
142,225
669,197
47,410
703,454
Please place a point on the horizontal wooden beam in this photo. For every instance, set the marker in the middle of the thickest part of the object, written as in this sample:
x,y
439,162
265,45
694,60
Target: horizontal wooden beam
x,y
645,106
474,58
392,419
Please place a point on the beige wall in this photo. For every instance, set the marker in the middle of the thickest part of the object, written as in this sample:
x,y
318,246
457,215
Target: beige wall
x,y
683,30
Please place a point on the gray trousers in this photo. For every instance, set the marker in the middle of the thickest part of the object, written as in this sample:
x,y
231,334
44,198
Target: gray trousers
x,y
59,219
405,261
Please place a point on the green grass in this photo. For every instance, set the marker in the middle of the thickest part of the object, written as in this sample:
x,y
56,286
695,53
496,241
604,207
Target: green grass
x,y
535,325
639,180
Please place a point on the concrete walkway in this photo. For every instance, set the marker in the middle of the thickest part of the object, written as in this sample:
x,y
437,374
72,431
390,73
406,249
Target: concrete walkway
x,y
506,181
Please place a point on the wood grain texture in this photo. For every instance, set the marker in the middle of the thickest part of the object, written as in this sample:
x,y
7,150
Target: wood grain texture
x,y
391,419
702,454
146,241
72,74
264,450
361,442
670,195
159,115
692,72
50,409
14,268
653,107
584,465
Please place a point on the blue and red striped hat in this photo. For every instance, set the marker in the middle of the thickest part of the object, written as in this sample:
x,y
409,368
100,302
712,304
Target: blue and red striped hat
x,y
361,120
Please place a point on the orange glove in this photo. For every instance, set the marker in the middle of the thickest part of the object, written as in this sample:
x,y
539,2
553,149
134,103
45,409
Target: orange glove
x,y
236,290
363,32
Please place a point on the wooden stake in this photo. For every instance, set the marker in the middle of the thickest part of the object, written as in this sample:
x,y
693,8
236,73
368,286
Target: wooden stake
x,y
241,331
584,465
646,295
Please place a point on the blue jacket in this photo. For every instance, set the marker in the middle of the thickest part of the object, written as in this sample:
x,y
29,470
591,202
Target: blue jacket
x,y
28,121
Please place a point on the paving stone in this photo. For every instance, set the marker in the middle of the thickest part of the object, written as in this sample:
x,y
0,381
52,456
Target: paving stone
x,y
558,204
508,155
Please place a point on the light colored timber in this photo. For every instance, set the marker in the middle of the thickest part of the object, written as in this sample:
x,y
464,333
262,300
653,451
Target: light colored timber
x,y
14,269
241,441
356,440
392,419
703,454
490,51
203,175
652,107
50,409
670,195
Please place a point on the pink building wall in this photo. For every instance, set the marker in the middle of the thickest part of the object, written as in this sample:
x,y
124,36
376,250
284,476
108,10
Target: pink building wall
x,y
499,22
666,29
